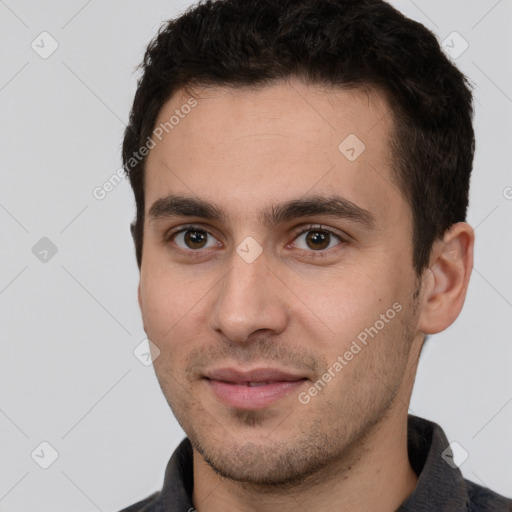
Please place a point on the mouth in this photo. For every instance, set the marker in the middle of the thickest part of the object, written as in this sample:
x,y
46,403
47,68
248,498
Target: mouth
x,y
254,389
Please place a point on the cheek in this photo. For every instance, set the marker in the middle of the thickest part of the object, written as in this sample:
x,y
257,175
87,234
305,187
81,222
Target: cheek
x,y
354,310
168,304
339,301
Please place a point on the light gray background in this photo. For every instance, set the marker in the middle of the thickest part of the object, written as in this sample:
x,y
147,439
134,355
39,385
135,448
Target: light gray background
x,y
68,375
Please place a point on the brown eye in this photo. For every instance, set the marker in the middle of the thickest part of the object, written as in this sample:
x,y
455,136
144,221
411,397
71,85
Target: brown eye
x,y
195,239
318,240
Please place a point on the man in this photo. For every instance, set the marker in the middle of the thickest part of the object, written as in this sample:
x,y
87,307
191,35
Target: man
x,y
301,173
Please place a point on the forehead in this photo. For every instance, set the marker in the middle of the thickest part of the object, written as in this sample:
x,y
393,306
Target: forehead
x,y
251,147
316,114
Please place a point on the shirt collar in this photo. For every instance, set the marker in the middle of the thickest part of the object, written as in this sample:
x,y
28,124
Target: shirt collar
x,y
440,485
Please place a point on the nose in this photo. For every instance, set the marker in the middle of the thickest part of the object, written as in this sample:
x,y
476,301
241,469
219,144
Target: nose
x,y
250,298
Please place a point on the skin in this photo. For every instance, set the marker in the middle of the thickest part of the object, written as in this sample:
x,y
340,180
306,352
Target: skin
x,y
244,151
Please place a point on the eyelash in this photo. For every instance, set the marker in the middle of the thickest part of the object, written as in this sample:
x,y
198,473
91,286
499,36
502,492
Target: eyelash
x,y
310,254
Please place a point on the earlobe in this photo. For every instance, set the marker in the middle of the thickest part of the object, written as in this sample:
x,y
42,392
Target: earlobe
x,y
139,299
446,286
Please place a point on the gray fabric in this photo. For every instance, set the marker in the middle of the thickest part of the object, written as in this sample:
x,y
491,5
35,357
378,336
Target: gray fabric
x,y
440,487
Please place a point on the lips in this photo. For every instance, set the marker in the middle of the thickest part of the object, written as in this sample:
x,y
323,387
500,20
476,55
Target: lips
x,y
252,377
254,389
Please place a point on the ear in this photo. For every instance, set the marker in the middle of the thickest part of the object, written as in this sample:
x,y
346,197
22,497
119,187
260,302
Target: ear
x,y
139,298
445,287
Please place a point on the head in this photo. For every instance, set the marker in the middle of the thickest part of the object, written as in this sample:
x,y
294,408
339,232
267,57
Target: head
x,y
345,44
257,117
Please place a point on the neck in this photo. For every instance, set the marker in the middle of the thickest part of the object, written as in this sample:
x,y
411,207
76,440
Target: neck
x,y
374,475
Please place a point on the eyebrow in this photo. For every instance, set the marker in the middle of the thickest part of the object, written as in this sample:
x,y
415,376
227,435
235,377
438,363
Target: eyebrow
x,y
332,206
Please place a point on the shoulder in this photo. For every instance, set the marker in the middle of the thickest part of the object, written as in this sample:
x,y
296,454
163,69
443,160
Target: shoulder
x,y
482,499
148,504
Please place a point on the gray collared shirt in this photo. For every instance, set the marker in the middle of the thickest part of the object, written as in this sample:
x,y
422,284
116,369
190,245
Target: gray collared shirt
x,y
441,486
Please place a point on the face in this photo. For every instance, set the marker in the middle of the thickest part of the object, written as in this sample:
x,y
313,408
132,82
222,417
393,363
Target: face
x,y
285,246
